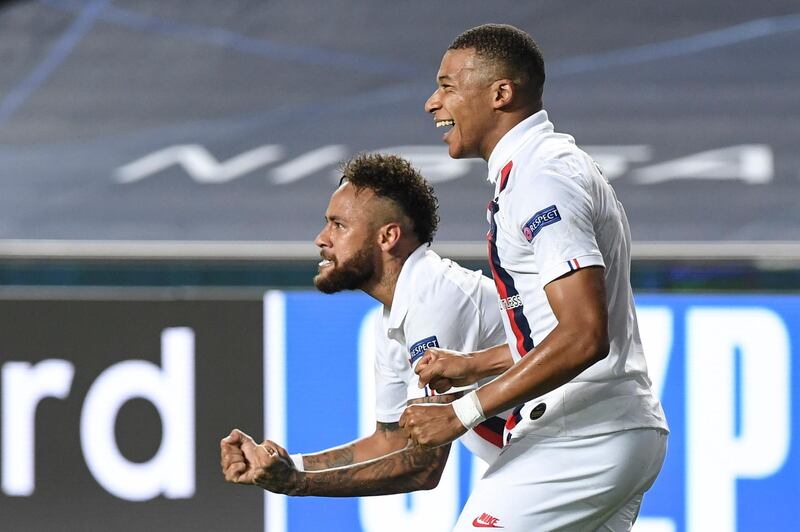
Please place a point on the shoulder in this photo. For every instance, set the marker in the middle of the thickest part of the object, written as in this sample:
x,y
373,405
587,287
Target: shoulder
x,y
552,156
564,173
443,284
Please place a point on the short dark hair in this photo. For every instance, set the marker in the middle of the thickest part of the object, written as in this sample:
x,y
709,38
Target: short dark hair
x,y
511,48
393,178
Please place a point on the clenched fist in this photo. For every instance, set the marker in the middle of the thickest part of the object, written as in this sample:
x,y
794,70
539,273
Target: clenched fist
x,y
266,464
431,425
442,369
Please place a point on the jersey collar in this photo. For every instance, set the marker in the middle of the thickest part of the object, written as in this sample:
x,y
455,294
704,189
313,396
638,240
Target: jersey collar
x,y
403,290
514,137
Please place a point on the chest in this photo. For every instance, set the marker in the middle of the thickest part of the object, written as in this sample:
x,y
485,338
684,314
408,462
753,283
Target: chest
x,y
507,246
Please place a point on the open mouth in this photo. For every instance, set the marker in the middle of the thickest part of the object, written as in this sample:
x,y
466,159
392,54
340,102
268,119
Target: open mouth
x,y
324,263
448,124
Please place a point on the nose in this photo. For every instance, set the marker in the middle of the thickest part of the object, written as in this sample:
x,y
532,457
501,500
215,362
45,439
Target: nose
x,y
433,104
322,240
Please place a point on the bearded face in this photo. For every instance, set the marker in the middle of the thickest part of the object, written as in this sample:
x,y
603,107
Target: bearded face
x,y
348,241
349,274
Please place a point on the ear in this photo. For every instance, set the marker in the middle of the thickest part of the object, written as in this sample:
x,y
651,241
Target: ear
x,y
389,236
503,93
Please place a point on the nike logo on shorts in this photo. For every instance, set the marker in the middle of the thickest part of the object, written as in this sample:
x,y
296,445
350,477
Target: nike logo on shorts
x,y
486,521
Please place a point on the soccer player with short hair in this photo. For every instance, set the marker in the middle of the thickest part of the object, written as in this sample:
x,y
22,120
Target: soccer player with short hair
x,y
378,226
587,436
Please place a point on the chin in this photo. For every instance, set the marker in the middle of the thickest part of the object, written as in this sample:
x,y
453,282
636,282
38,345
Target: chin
x,y
320,281
455,152
325,287
458,150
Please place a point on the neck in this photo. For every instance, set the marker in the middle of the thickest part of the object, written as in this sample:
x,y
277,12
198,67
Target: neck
x,y
505,122
382,286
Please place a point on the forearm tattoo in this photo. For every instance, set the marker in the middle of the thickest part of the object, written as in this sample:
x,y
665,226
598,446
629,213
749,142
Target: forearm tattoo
x,y
436,399
408,469
334,473
388,427
341,456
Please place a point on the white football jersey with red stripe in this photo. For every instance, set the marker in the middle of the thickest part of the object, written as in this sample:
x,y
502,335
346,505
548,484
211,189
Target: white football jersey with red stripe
x,y
553,212
436,303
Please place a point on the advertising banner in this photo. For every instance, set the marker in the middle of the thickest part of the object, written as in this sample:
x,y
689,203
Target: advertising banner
x,y
112,412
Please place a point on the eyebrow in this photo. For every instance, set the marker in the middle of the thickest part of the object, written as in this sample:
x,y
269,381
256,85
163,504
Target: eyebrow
x,y
448,77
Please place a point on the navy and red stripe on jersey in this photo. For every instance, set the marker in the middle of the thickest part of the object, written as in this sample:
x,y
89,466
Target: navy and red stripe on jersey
x,y
503,281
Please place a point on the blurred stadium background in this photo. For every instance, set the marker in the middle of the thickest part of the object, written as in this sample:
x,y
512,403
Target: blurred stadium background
x,y
164,165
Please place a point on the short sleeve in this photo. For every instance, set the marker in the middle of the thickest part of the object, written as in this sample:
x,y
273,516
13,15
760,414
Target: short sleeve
x,y
447,319
556,220
390,387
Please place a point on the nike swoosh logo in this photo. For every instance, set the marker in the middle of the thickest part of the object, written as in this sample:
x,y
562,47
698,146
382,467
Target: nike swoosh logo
x,y
478,524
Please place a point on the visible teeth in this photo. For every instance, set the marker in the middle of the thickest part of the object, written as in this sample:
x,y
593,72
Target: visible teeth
x,y
445,123
325,262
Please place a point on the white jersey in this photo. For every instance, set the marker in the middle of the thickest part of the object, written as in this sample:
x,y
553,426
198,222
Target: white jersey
x,y
436,303
553,212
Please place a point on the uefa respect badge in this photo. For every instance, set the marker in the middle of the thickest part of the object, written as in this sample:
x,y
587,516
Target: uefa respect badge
x,y
543,218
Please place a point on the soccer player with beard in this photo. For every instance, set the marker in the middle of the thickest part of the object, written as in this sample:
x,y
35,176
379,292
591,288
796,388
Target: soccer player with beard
x,y
379,223
587,436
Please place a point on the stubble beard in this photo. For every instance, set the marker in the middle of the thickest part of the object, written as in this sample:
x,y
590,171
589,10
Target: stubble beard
x,y
349,275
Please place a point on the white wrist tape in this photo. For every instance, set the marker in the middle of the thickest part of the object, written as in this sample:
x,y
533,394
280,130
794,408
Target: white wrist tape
x,y
297,459
468,410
